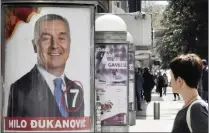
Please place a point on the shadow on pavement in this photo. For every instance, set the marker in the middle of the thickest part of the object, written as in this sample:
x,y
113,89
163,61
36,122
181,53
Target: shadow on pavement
x,y
142,115
157,98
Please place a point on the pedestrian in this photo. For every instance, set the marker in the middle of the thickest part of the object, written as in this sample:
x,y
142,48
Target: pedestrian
x,y
148,84
160,83
138,88
176,94
204,80
165,83
155,81
140,71
141,81
185,75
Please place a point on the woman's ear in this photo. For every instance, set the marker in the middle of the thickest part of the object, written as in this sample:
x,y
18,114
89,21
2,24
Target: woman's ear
x,y
180,82
34,46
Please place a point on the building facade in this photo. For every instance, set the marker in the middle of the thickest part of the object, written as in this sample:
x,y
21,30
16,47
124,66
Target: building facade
x,y
118,7
103,6
134,5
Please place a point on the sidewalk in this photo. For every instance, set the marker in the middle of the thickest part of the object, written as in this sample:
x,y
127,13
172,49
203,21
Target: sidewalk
x,y
152,126
168,109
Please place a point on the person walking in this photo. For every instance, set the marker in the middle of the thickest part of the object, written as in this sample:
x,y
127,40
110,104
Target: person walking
x,y
155,81
176,94
141,81
138,88
148,84
185,74
165,84
160,83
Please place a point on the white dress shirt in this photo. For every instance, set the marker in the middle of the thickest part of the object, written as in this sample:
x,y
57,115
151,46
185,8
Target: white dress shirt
x,y
50,80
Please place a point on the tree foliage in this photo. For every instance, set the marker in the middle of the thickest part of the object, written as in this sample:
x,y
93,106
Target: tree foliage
x,y
157,13
187,21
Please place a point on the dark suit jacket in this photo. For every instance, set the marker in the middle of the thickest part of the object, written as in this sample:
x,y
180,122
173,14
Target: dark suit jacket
x,y
30,96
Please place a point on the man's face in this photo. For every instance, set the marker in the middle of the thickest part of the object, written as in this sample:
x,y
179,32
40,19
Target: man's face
x,y
53,44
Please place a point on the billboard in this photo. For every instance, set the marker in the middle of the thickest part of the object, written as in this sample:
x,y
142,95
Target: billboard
x,y
111,82
46,86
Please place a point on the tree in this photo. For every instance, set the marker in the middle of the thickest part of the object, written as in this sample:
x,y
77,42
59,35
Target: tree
x,y
157,13
187,21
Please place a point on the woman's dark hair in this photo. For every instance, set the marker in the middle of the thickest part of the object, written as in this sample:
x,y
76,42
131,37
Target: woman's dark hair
x,y
188,67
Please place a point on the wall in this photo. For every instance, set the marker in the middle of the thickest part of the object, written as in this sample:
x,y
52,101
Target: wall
x,y
116,9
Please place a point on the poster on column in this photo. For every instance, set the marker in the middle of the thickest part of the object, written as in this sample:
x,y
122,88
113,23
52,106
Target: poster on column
x,y
46,87
111,82
131,80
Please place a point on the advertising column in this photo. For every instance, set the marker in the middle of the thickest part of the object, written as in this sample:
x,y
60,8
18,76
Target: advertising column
x,y
131,53
111,72
47,67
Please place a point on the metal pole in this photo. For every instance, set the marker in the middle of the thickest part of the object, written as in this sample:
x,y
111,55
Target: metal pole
x,y
156,110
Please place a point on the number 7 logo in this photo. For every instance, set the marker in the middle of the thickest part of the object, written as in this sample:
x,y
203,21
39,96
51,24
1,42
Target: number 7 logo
x,y
76,91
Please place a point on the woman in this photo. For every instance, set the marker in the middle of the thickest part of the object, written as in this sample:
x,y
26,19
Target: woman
x,y
185,75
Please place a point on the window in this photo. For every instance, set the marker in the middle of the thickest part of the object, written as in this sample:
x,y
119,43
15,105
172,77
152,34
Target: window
x,y
118,4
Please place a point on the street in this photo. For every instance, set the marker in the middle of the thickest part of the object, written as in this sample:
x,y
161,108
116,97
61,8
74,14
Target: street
x,y
168,109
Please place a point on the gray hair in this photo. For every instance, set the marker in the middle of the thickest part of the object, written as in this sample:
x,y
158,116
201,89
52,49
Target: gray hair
x,y
49,17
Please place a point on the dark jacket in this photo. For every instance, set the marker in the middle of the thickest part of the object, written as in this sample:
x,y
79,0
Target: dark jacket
x,y
138,81
148,81
205,79
30,96
160,81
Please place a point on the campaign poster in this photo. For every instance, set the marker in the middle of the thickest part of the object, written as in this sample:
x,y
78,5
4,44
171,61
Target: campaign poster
x,y
111,82
47,82
131,80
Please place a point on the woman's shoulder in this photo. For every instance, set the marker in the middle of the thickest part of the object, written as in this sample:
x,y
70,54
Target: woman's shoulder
x,y
199,105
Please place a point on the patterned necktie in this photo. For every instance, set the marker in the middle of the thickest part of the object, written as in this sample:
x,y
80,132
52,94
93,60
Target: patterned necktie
x,y
58,96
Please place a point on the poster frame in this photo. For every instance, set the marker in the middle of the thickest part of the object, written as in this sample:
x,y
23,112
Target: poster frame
x,y
84,2
134,91
127,87
51,3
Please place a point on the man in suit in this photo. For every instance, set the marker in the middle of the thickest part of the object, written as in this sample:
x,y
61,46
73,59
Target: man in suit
x,y
40,92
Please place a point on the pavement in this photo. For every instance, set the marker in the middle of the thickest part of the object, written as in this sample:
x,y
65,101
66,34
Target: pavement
x,y
168,109
152,126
